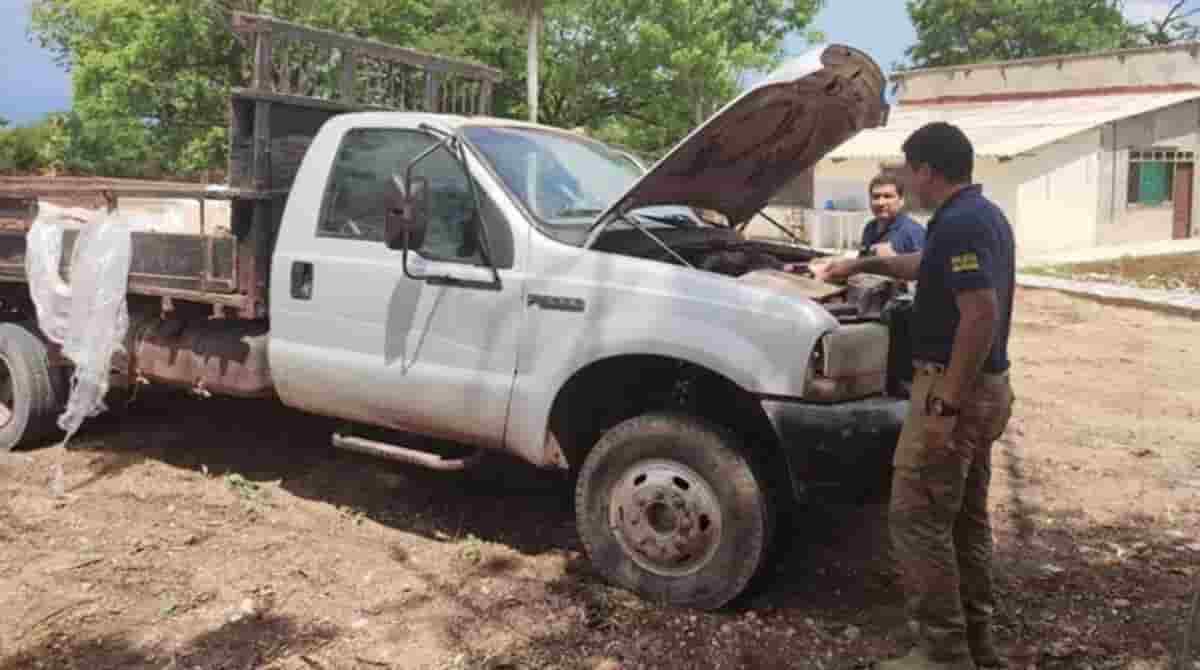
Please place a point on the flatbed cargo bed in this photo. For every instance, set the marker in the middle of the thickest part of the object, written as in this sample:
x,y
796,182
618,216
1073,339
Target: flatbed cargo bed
x,y
187,242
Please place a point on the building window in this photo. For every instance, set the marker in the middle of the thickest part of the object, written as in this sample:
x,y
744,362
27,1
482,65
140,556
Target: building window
x,y
1152,174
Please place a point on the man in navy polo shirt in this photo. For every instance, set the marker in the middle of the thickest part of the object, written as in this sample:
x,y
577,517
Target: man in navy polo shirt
x,y
961,402
891,232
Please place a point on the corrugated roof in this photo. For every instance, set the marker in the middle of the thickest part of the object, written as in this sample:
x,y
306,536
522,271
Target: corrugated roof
x,y
1007,128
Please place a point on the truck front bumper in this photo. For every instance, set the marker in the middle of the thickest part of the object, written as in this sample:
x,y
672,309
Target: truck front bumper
x,y
837,442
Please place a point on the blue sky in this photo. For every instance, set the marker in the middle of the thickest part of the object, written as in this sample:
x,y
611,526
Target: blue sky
x,y
33,85
884,33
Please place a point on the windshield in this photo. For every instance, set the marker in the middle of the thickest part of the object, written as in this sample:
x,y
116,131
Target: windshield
x,y
566,182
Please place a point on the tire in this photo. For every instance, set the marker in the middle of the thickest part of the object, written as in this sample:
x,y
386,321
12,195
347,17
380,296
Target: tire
x,y
687,492
29,396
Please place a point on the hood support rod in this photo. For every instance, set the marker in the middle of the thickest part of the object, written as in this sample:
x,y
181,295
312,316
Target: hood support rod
x,y
763,214
629,218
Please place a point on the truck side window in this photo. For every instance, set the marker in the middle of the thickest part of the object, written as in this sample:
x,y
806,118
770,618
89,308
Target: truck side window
x,y
358,185
354,203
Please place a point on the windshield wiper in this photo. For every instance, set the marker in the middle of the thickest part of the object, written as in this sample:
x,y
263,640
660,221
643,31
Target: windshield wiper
x,y
677,220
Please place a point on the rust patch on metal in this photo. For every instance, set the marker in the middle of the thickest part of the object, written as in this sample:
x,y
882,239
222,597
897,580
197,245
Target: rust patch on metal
x,y
220,356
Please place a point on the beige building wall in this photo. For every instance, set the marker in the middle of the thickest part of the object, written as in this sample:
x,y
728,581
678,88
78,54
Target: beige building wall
x,y
1173,65
1056,190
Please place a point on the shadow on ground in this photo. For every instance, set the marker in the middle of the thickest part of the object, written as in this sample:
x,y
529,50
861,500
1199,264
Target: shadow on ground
x,y
265,442
250,643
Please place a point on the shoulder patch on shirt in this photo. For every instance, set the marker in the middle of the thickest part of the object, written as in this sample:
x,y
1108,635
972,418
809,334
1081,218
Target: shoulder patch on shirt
x,y
967,262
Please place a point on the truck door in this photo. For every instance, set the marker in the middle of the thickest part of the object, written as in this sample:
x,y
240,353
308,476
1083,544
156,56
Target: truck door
x,y
354,336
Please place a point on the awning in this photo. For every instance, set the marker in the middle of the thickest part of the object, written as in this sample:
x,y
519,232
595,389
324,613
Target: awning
x,y
1006,128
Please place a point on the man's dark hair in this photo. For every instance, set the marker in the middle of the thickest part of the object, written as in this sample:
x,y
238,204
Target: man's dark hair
x,y
884,180
944,148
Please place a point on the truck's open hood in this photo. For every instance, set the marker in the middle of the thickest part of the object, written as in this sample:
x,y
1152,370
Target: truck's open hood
x,y
768,135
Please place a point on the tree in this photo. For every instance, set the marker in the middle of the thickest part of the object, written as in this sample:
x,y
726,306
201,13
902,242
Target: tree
x,y
22,147
151,78
533,10
645,72
956,32
1175,25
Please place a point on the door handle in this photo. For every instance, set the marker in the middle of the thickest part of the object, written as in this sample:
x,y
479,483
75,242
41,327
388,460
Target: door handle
x,y
302,280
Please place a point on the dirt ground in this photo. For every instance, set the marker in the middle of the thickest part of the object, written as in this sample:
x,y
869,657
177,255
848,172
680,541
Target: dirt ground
x,y
228,534
1168,271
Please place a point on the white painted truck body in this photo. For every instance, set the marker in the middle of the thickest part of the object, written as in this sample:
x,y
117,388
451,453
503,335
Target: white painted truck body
x,y
484,366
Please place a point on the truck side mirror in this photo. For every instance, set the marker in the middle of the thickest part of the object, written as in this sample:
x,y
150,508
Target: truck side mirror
x,y
407,217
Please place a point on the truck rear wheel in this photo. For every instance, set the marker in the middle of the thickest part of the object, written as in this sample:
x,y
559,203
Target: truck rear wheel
x,y
673,507
28,397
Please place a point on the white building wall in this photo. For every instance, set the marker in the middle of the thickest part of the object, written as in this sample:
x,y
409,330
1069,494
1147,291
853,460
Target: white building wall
x,y
1057,190
844,182
1118,221
1050,198
1065,196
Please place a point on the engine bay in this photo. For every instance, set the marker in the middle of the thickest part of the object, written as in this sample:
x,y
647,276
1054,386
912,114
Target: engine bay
x,y
724,251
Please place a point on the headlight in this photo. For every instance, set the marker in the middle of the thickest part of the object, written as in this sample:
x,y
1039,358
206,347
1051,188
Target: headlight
x,y
847,363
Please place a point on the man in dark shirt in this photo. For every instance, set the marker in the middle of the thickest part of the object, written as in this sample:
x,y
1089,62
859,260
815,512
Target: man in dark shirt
x,y
961,402
892,231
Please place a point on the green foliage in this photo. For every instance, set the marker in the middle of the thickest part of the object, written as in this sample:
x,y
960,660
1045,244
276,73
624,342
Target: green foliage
x,y
147,76
151,78
22,148
644,72
1177,24
956,32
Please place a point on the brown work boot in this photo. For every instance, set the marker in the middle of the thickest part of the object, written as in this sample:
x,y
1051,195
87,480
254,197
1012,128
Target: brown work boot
x,y
983,647
919,659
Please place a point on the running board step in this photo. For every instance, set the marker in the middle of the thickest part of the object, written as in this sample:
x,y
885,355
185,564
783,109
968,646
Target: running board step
x,y
405,455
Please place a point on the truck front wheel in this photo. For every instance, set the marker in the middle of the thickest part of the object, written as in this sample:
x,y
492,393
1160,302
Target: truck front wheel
x,y
673,507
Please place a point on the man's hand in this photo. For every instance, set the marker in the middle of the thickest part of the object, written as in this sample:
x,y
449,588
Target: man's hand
x,y
833,269
938,430
884,249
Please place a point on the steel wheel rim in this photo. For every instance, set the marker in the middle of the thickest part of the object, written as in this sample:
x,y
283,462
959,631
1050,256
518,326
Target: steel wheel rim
x,y
7,392
666,517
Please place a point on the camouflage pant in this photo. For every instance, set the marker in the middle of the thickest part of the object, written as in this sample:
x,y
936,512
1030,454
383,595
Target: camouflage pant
x,y
939,511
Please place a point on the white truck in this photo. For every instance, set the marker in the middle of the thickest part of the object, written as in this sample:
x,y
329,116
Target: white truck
x,y
508,286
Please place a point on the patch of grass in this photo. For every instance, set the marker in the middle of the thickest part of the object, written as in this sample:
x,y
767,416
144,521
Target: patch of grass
x,y
1062,271
245,488
355,515
472,550
1169,271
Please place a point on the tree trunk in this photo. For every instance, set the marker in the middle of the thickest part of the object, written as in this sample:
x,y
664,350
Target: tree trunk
x,y
531,64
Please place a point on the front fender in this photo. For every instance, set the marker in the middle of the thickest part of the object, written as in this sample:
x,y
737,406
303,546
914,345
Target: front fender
x,y
756,339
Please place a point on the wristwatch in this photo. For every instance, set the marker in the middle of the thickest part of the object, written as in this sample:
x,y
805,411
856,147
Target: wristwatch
x,y
935,406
